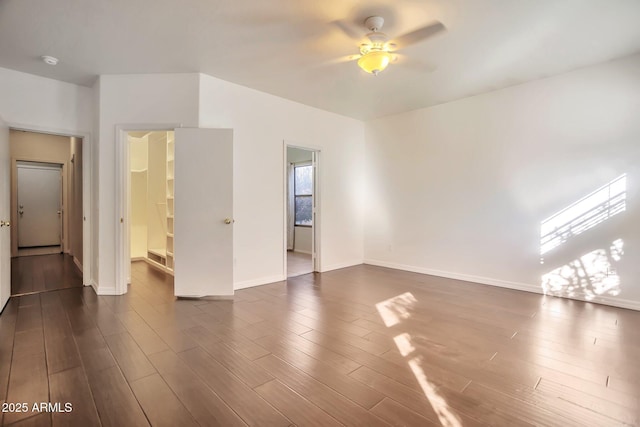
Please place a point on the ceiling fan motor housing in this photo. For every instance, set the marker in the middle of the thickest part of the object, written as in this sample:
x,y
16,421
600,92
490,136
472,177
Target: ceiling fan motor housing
x,y
374,23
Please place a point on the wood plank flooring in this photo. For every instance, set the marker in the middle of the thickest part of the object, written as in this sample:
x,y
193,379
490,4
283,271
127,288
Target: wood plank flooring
x,y
38,273
298,264
362,346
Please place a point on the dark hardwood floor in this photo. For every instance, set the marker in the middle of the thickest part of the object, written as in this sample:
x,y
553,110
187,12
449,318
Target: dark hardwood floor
x,y
362,346
38,273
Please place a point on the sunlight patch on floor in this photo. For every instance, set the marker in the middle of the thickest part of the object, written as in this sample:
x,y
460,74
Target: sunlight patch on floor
x,y
393,311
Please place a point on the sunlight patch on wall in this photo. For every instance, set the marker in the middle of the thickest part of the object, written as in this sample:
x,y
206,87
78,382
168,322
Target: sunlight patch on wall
x,y
593,274
586,213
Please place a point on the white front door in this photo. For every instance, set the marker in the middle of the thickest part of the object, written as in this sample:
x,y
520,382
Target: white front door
x,y
39,204
203,241
5,237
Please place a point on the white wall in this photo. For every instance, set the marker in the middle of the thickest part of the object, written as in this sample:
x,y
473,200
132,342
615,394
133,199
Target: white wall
x,y
260,123
141,99
139,165
303,239
75,193
460,189
41,104
157,192
298,155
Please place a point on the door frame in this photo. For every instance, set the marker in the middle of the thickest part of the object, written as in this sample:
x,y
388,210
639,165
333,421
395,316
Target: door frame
x,y
87,191
316,198
63,214
122,216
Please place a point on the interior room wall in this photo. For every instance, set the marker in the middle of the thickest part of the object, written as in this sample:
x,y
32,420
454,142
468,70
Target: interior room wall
x,y
132,99
260,123
41,104
303,236
460,189
30,146
138,157
157,192
95,184
298,155
76,214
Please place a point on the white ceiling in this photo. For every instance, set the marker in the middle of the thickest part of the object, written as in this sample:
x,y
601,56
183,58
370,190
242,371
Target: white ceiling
x,y
292,48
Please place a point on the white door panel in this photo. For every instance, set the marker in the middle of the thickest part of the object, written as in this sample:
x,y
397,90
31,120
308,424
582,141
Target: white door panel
x,y
203,240
39,205
5,238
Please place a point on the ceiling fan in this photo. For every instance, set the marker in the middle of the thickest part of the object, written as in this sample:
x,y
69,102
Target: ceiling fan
x,y
376,53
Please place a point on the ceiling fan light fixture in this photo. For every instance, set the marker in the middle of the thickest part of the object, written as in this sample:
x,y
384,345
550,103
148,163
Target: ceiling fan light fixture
x,y
375,61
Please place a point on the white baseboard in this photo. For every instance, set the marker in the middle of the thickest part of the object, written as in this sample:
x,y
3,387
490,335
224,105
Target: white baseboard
x,y
101,290
340,265
258,282
612,301
526,287
302,252
111,290
77,263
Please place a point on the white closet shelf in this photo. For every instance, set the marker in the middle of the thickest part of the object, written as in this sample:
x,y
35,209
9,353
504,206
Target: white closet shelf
x,y
160,252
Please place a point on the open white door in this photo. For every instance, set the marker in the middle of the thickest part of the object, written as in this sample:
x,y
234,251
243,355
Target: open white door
x,y
203,221
5,237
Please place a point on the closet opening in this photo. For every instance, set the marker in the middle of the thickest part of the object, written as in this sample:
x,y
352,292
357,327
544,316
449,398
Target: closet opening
x,y
151,199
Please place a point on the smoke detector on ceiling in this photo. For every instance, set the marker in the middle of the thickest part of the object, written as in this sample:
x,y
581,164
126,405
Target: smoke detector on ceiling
x,y
50,60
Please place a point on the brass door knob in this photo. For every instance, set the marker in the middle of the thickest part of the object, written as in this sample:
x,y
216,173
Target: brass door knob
x,y
5,224
229,221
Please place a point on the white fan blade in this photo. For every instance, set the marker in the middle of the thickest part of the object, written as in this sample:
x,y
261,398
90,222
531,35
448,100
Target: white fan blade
x,y
419,35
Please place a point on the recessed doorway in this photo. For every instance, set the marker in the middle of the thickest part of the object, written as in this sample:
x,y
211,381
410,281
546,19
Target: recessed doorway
x,y
47,242
301,210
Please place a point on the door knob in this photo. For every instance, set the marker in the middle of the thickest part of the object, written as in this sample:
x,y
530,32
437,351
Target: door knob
x,y
229,221
5,224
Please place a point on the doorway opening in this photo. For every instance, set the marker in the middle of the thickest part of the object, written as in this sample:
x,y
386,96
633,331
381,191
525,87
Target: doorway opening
x,y
301,211
47,210
151,199
198,187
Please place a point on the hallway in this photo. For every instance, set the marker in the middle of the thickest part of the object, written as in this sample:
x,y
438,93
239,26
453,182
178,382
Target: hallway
x,y
40,273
